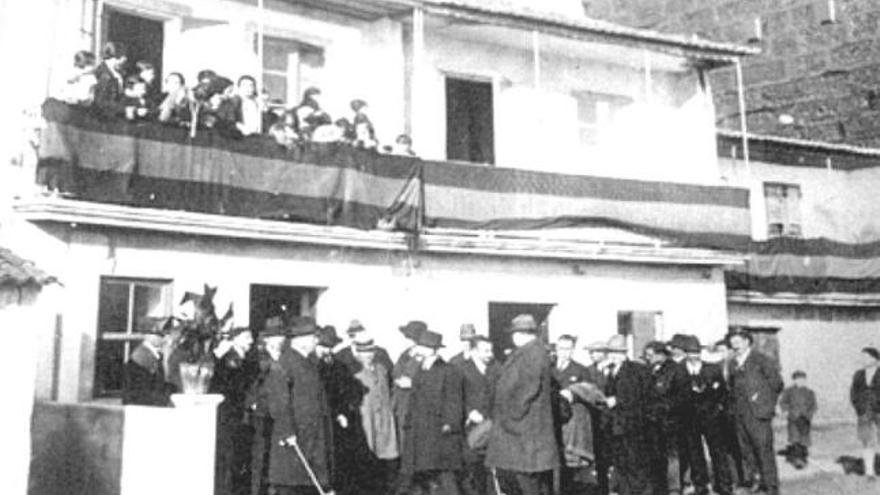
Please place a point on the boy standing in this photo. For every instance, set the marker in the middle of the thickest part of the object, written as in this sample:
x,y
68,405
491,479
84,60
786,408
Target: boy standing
x,y
798,402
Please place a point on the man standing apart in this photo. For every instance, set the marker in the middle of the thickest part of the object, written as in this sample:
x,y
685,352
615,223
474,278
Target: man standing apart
x,y
522,445
865,397
756,385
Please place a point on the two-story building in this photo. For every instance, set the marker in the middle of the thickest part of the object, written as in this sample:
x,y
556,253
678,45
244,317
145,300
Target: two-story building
x,y
567,167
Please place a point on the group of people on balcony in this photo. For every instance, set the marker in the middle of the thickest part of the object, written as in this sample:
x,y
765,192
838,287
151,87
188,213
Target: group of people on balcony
x,y
234,110
364,424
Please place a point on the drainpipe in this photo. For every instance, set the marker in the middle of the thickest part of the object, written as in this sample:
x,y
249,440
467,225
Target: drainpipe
x,y
743,125
536,60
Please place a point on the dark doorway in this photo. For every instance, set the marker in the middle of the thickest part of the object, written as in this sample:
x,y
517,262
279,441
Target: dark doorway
x,y
285,301
470,132
144,37
500,316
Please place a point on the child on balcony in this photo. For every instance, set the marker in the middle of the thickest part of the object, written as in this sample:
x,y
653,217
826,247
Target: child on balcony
x,y
309,114
284,130
147,73
79,87
364,135
135,98
175,106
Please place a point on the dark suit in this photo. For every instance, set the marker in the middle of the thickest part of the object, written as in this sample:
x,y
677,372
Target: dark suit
x,y
704,417
298,406
865,399
624,427
756,386
429,453
478,391
144,380
344,395
600,449
109,93
522,444
577,432
233,376
668,387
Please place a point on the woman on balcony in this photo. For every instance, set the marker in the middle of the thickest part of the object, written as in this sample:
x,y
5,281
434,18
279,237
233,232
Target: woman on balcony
x,y
109,90
243,114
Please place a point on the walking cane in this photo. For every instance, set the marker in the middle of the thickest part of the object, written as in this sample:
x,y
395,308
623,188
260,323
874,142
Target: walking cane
x,y
495,483
308,467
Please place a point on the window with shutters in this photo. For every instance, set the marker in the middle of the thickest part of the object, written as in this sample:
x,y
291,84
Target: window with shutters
x,y
783,209
122,303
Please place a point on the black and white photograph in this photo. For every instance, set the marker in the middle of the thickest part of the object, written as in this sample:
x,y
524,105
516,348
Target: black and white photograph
x,y
440,247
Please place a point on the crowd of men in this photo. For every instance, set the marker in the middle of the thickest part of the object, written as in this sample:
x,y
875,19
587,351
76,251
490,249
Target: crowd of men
x,y
304,410
115,90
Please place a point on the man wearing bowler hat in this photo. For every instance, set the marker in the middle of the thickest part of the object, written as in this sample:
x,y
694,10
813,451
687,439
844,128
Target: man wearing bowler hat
x,y
144,374
522,450
756,384
466,334
301,415
627,392
271,380
432,446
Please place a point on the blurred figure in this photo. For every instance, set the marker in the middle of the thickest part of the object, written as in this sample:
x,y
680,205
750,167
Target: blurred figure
x,y
270,378
363,135
865,398
738,473
283,131
135,98
146,71
668,396
798,402
145,383
479,373
175,105
109,89
466,335
309,114
577,433
242,114
79,86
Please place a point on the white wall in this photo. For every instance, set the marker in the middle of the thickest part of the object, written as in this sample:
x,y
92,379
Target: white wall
x,y
383,290
824,343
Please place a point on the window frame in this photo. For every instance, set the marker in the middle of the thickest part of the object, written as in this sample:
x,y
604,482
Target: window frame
x,y
614,102
789,223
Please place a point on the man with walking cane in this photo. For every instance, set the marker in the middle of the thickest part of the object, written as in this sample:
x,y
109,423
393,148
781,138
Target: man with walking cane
x,y
299,461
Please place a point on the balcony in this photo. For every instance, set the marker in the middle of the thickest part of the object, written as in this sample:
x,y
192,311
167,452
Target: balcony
x,y
130,174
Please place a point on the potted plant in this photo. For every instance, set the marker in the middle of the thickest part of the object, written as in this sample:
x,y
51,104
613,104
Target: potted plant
x,y
192,353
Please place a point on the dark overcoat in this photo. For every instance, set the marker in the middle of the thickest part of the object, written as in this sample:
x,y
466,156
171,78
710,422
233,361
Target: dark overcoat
x,y
667,396
109,95
298,406
624,427
863,397
144,380
436,401
346,356
523,437
756,386
577,432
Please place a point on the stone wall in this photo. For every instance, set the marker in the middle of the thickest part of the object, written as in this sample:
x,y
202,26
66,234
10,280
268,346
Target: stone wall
x,y
821,73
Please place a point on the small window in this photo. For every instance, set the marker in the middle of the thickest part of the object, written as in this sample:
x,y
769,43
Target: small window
x,y
289,67
122,303
783,209
470,132
596,111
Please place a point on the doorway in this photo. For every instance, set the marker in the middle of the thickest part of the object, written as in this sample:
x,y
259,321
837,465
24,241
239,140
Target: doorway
x,y
286,301
470,124
500,316
143,37
639,328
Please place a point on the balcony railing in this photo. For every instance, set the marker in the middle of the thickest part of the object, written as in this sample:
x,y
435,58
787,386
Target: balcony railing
x,y
150,165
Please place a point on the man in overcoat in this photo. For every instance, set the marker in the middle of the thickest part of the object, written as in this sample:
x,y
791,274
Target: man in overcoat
x,y
664,406
596,376
270,378
357,332
479,373
627,391
577,432
466,334
522,445
301,415
704,417
756,384
432,448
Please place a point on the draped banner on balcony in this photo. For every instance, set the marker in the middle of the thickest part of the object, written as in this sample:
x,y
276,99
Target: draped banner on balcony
x,y
808,266
150,165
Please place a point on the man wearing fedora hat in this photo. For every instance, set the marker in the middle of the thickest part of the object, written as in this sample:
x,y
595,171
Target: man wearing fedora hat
x,y
144,379
704,418
466,334
432,447
663,427
300,414
271,380
523,449
755,383
357,331
627,392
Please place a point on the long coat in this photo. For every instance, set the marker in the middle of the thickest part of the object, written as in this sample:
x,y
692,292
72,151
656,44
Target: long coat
x,y
624,426
377,418
436,401
298,406
577,433
865,398
144,380
523,437
109,94
756,386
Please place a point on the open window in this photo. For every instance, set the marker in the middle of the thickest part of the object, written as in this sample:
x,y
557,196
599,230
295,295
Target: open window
x,y
144,37
289,68
122,302
470,132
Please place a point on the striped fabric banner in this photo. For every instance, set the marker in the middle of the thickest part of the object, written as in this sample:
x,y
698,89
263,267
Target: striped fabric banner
x,y
146,164
808,266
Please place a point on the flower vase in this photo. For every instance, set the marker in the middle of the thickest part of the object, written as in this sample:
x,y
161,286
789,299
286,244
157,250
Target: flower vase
x,y
196,377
